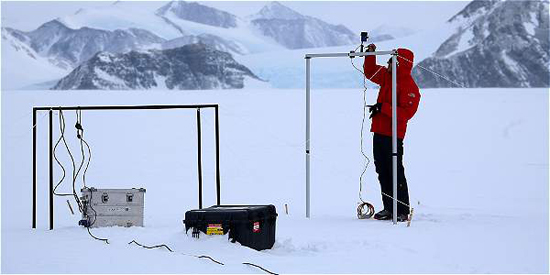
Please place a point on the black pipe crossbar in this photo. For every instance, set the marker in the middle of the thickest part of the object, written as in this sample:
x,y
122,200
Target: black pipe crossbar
x,y
120,107
125,107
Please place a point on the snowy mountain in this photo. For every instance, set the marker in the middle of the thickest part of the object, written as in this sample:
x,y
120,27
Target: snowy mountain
x,y
265,38
22,65
296,31
496,44
66,47
198,13
175,19
194,66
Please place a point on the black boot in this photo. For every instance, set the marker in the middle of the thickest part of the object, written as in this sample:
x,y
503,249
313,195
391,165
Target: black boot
x,y
383,215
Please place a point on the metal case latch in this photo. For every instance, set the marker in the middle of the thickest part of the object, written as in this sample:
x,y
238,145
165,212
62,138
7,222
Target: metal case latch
x,y
129,197
104,197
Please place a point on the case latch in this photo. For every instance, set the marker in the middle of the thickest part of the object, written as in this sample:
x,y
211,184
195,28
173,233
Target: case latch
x,y
104,197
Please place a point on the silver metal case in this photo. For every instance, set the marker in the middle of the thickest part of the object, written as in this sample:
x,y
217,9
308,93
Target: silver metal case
x,y
113,207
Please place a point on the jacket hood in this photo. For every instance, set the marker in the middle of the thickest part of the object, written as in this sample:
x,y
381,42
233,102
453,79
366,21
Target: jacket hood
x,y
405,59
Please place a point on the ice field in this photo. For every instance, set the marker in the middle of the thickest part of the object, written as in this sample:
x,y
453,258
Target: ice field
x,y
476,161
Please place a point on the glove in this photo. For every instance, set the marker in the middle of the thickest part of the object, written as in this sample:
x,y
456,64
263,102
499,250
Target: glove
x,y
375,109
371,48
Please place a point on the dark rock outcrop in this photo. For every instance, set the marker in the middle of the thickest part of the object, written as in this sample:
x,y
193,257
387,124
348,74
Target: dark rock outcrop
x,y
191,67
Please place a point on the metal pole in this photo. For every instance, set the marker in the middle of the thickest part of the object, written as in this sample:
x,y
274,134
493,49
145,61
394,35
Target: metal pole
x,y
308,58
51,168
218,185
33,168
357,54
308,72
394,131
199,155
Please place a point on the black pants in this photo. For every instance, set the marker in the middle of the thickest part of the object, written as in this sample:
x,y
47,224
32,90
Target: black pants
x,y
382,149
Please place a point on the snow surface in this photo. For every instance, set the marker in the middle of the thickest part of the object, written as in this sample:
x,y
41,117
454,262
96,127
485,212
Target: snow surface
x,y
161,82
511,64
465,41
530,26
477,168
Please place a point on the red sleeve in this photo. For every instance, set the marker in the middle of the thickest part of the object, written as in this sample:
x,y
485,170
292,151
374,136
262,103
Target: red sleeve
x,y
407,104
372,71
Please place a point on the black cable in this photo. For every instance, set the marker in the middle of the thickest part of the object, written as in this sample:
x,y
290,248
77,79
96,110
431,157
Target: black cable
x,y
208,257
169,249
152,247
99,239
79,135
361,213
92,208
362,130
90,223
79,203
265,270
62,138
89,159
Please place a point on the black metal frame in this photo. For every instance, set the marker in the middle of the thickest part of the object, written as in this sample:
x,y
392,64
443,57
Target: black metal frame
x,y
121,107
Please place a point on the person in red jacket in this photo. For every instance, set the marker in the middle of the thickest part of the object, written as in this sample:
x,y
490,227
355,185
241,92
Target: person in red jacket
x,y
408,97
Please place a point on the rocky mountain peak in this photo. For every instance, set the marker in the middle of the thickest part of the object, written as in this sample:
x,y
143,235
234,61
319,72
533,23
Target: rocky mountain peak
x,y
296,31
496,44
195,12
49,30
53,24
475,9
276,10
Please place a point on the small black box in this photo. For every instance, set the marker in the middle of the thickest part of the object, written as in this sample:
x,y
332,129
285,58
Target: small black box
x,y
250,225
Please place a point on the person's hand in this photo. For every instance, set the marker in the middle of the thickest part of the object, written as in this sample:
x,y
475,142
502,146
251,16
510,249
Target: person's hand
x,y
371,48
375,109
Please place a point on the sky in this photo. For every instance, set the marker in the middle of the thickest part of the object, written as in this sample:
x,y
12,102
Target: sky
x,y
356,15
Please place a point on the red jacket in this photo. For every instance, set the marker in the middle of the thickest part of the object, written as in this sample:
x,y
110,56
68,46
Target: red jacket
x,y
408,95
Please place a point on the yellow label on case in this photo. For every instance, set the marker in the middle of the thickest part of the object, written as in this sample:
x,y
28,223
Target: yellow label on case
x,y
214,229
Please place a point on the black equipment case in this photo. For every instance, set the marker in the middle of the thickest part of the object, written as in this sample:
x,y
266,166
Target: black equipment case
x,y
250,225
